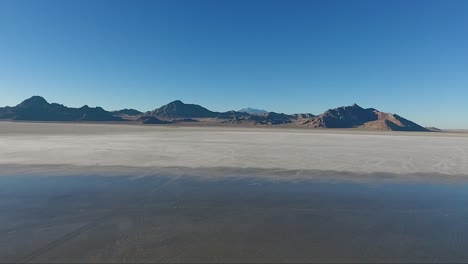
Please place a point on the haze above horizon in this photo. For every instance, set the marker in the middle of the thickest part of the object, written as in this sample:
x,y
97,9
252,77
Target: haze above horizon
x,y
404,57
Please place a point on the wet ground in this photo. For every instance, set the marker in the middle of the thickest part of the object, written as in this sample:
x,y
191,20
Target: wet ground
x,y
190,219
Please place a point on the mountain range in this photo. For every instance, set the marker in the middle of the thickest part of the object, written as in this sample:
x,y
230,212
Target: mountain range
x,y
253,111
37,108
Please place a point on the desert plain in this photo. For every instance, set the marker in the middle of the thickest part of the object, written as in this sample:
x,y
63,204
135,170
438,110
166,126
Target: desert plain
x,y
77,192
83,147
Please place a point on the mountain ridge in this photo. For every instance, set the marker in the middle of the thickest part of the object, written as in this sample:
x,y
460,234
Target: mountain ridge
x,y
355,116
37,108
253,111
178,109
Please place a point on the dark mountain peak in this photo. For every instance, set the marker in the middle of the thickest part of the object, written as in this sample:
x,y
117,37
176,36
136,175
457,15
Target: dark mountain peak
x,y
176,102
343,112
178,109
88,108
34,101
343,117
352,107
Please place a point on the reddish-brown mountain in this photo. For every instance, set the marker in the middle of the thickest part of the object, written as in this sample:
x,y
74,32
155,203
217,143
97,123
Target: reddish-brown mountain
x,y
357,117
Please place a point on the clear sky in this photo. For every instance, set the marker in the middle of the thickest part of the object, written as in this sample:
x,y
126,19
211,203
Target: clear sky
x,y
406,57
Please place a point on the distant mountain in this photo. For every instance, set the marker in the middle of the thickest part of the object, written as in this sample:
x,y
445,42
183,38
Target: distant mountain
x,y
232,115
276,118
304,115
7,112
37,108
34,102
358,117
127,112
253,111
177,109
270,118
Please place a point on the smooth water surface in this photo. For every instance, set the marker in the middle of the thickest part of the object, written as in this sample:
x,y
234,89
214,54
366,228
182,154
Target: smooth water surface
x,y
188,219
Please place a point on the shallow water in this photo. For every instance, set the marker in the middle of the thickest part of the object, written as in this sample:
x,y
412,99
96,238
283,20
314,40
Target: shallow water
x,y
188,219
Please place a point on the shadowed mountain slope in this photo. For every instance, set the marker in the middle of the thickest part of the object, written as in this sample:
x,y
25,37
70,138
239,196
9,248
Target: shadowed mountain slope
x,y
151,120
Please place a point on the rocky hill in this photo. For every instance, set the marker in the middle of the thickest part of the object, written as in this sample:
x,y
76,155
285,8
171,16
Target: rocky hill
x,y
178,109
357,117
37,108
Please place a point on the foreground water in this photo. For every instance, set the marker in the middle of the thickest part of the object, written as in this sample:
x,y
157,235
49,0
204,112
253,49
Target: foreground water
x,y
187,219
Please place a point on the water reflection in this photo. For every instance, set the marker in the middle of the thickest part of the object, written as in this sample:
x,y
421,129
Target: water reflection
x,y
178,219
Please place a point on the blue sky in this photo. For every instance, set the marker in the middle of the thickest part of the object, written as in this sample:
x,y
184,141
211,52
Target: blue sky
x,y
406,57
